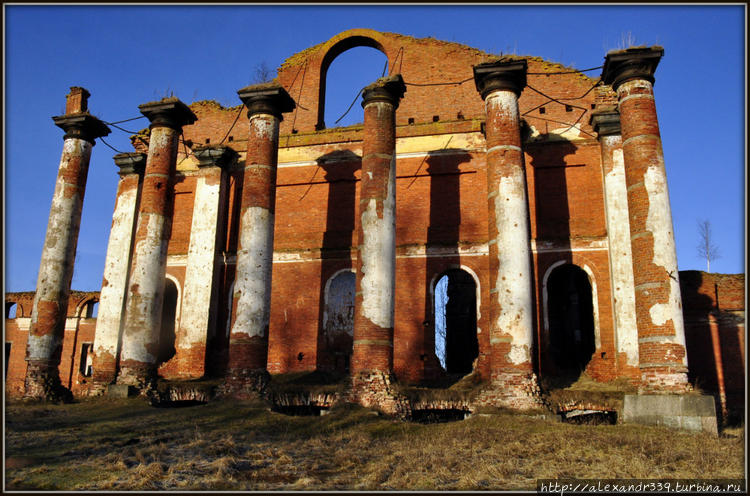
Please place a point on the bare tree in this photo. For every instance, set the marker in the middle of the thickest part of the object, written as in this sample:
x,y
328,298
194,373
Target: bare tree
x,y
262,74
706,248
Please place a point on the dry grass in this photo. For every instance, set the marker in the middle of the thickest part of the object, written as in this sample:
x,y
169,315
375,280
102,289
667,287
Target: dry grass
x,y
104,444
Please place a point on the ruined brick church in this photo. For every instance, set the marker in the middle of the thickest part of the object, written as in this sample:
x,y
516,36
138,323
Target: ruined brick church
x,y
274,243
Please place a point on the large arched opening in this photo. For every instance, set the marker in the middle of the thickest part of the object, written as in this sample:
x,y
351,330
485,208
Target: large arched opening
x,y
456,343
570,314
347,68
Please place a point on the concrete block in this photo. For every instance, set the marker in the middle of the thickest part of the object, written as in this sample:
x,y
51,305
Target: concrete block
x,y
689,412
120,391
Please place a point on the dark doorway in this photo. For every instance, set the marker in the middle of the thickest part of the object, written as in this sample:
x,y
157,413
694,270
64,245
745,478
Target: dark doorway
x,y
456,321
338,323
571,318
168,315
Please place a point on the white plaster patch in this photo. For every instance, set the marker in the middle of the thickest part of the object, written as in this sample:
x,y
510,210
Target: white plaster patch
x,y
519,354
252,285
503,104
200,264
115,273
513,281
143,317
378,254
620,253
161,139
265,126
659,223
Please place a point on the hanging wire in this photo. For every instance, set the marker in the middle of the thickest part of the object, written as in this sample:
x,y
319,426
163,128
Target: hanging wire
x,y
398,54
126,120
439,84
120,128
233,124
563,72
112,147
350,106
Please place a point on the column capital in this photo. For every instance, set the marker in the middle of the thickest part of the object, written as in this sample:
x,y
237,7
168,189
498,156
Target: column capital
x,y
632,63
503,74
82,126
168,112
214,156
605,120
130,163
386,89
266,98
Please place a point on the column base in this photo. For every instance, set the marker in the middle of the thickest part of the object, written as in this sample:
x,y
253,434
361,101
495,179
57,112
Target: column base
x,y
374,389
142,376
43,383
686,412
244,384
517,391
664,382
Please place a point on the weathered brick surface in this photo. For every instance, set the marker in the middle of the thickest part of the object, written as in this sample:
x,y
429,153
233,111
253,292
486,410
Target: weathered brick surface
x,y
442,222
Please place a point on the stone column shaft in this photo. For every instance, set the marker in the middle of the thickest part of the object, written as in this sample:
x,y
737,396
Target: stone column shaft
x,y
248,338
199,293
140,341
661,333
606,122
511,303
116,266
50,305
376,259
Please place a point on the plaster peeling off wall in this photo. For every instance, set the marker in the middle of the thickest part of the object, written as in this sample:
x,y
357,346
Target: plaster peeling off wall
x,y
659,223
621,255
115,274
513,278
252,285
265,127
145,303
378,255
503,105
200,264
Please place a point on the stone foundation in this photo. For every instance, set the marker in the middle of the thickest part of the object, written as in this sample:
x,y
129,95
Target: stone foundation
x,y
43,383
244,384
376,390
515,391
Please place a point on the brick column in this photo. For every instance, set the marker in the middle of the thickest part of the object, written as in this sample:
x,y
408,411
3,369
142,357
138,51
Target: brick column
x,y
372,356
606,123
114,284
376,259
140,340
248,338
661,333
511,303
200,290
58,254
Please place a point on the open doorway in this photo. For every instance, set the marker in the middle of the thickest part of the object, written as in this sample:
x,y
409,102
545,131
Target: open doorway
x,y
571,320
456,344
168,316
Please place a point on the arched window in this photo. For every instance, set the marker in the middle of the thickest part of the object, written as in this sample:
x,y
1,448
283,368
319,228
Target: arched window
x,y
570,312
90,310
338,321
348,73
10,309
456,344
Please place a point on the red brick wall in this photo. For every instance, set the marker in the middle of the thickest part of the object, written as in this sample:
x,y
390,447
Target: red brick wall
x,y
78,330
713,306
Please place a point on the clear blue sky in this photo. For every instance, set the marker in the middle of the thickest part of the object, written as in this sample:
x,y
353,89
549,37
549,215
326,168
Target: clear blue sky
x,y
128,55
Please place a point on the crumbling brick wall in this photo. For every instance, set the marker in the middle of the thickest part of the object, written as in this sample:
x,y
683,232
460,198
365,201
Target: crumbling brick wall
x,y
714,309
79,330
